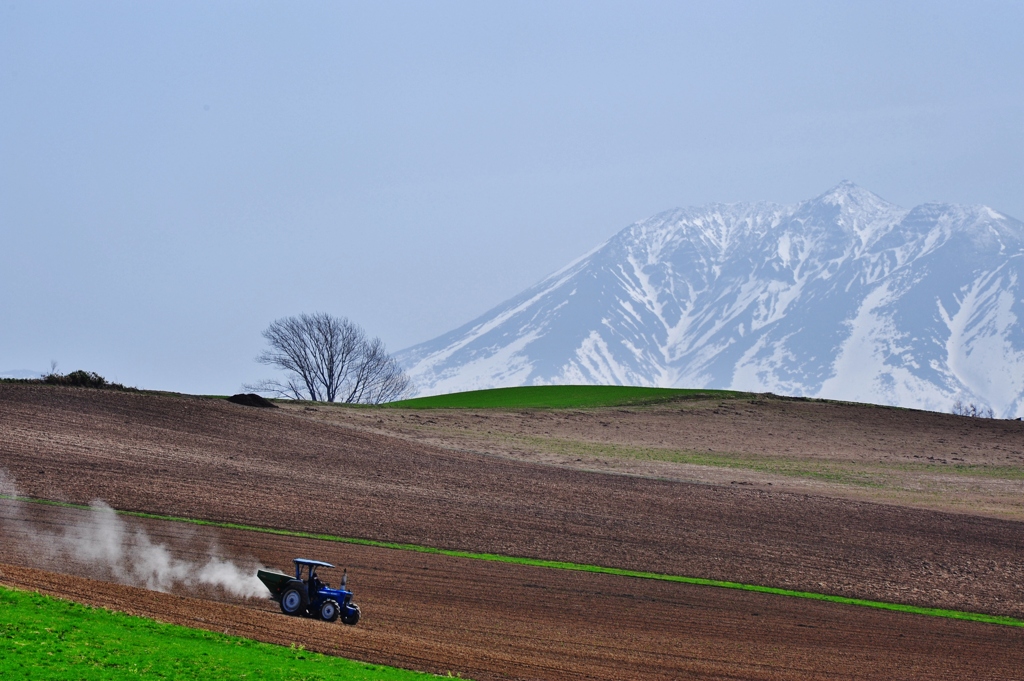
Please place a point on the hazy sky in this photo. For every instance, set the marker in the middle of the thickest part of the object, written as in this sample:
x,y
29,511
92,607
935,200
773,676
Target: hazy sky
x,y
175,175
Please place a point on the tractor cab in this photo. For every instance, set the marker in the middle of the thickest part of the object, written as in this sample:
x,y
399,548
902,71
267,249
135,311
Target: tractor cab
x,y
312,579
307,595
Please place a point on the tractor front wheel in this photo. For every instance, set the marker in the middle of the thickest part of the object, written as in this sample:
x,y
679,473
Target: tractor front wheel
x,y
351,615
293,600
329,610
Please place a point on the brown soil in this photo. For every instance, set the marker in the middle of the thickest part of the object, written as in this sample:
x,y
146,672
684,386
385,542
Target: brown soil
x,y
212,459
854,451
495,621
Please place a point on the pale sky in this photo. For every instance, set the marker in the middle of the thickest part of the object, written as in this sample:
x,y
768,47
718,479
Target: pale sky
x,y
176,175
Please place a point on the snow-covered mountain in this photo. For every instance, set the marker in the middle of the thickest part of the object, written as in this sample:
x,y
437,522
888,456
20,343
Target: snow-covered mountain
x,y
844,296
20,373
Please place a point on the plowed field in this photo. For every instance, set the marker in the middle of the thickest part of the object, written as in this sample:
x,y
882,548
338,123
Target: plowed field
x,y
859,452
492,621
211,459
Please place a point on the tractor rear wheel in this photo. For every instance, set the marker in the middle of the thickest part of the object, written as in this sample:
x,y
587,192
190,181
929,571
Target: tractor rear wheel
x,y
351,615
294,600
329,610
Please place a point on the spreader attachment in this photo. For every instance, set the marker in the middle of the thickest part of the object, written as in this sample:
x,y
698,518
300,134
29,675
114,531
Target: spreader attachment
x,y
274,581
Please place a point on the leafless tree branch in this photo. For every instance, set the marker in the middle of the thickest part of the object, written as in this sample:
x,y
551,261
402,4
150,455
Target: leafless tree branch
x,y
961,409
329,358
289,390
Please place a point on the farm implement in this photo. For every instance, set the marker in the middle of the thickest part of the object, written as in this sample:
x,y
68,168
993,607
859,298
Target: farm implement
x,y
309,596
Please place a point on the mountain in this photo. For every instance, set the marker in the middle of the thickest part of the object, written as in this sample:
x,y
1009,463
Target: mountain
x,y
844,296
20,373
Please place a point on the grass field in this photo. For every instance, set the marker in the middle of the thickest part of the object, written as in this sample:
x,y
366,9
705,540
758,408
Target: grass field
x,y
560,397
47,638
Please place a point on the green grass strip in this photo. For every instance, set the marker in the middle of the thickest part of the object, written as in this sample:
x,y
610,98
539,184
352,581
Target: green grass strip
x,y
563,565
560,397
42,637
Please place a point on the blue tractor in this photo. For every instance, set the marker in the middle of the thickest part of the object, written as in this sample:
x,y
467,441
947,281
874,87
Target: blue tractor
x,y
309,596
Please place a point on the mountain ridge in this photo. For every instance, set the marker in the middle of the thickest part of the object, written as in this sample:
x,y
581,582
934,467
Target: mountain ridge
x,y
844,295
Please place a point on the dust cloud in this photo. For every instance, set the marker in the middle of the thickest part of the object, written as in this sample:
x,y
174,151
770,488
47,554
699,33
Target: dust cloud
x,y
117,549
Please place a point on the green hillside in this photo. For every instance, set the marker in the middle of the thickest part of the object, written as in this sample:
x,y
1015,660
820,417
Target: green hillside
x,y
560,397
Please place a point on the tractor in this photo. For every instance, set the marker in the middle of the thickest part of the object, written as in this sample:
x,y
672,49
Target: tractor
x,y
311,597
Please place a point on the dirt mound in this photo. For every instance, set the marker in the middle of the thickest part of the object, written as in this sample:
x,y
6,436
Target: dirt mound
x,y
252,400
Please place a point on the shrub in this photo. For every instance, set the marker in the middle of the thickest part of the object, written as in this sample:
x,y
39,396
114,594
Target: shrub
x,y
81,379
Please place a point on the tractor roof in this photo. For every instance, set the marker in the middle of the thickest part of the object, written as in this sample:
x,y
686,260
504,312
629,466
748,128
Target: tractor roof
x,y
306,561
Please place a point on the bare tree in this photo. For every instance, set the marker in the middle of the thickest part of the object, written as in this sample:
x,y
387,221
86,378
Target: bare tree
x,y
961,409
329,358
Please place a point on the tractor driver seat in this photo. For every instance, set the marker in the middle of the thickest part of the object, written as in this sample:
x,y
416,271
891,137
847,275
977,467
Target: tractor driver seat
x,y
315,584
